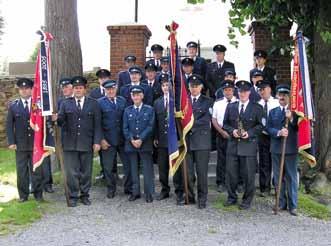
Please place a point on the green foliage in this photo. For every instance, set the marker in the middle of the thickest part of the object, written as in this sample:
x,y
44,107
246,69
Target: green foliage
x,y
7,167
310,207
195,1
34,55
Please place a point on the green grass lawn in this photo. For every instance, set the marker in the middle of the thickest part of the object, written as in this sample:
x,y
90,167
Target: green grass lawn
x,y
13,214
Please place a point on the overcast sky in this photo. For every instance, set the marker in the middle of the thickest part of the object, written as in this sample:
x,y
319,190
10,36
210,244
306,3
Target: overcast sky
x,y
207,22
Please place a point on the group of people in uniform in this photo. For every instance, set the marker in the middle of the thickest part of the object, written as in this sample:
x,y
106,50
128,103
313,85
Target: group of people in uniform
x,y
128,118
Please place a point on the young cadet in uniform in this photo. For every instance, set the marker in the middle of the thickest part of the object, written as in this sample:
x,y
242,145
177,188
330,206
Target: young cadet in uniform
x,y
66,88
138,124
267,72
165,69
124,76
222,136
20,138
276,129
135,78
256,75
112,108
200,65
96,93
268,103
215,70
161,143
81,121
243,122
157,54
187,66
151,81
199,142
229,74
102,75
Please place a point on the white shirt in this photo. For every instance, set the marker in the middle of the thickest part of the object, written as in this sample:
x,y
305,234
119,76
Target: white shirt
x,y
157,62
81,101
150,82
188,75
272,103
166,99
197,97
219,109
140,106
261,68
245,105
220,64
29,102
113,98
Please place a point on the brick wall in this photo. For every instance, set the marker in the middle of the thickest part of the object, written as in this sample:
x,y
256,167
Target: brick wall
x,y
261,39
125,40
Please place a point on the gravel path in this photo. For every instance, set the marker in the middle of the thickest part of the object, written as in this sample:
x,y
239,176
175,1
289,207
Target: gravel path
x,y
119,222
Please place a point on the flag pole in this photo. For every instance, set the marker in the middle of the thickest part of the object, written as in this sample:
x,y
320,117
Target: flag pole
x,y
57,137
185,181
281,170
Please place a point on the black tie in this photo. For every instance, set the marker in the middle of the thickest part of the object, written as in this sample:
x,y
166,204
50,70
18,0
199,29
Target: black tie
x,y
26,107
137,110
219,65
166,103
157,63
150,84
265,108
113,101
103,92
194,100
241,114
79,106
229,100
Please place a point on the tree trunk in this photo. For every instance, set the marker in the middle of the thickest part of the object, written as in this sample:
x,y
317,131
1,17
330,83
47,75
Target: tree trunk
x,y
322,57
61,21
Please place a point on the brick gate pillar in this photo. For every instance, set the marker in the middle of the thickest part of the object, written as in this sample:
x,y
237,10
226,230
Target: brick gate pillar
x,y
127,40
261,39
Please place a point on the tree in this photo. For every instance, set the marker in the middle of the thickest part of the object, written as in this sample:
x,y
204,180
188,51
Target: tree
x,y
62,23
313,19
34,55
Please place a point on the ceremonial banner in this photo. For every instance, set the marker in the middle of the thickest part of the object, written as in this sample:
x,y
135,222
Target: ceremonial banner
x,y
41,104
302,101
180,115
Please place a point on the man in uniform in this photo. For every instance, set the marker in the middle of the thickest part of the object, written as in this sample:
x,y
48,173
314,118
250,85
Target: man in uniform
x,y
80,118
165,69
229,74
96,93
161,142
256,75
112,108
268,103
135,78
243,122
222,136
215,70
199,142
200,65
267,72
20,138
138,124
124,76
277,129
187,65
157,54
151,81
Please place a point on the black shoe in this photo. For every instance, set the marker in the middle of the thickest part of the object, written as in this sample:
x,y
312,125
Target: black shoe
x,y
149,198
229,203
180,200
244,206
21,200
49,189
191,200
111,194
85,201
201,204
221,188
100,177
72,203
127,192
293,212
162,196
39,199
133,197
